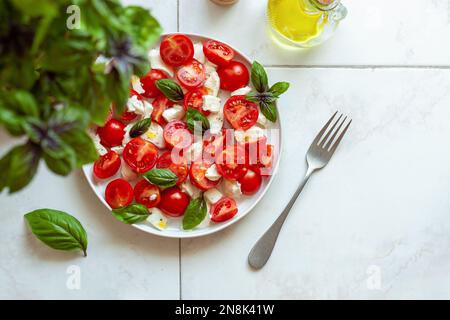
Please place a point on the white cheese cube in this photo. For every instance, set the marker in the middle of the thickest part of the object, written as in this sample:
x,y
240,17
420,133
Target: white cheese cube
x,y
231,188
136,84
140,107
215,122
241,91
157,219
211,103
212,173
253,134
157,63
127,173
262,120
213,84
212,195
126,137
98,145
209,68
174,113
198,52
190,189
155,135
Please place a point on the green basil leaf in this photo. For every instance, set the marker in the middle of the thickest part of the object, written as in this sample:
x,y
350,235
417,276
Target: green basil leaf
x,y
58,230
140,127
163,178
170,89
194,214
22,102
62,166
279,88
35,129
82,145
18,167
193,116
261,97
259,77
68,118
133,213
269,110
12,122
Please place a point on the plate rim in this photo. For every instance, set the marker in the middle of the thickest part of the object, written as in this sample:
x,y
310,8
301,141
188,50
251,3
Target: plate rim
x,y
205,231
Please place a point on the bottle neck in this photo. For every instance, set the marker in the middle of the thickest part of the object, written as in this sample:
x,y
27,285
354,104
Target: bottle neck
x,y
323,5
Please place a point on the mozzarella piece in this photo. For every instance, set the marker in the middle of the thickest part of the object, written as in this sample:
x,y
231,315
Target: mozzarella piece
x,y
213,84
126,137
231,188
157,219
211,103
190,189
215,121
262,120
157,63
241,91
155,135
174,113
212,173
253,134
140,107
209,68
98,145
127,173
212,195
195,151
136,84
118,149
198,52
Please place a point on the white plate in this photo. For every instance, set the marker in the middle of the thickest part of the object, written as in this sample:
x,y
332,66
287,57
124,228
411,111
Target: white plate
x,y
245,203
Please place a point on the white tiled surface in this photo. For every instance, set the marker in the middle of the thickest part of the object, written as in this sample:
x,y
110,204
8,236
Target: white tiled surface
x,y
378,214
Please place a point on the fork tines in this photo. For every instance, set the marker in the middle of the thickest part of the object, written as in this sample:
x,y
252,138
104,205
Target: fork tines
x,y
324,140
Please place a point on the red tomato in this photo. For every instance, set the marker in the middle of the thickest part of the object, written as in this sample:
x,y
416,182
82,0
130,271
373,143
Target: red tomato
x,y
128,116
176,50
217,52
194,99
160,104
147,194
233,76
112,133
177,134
180,169
212,145
197,175
192,74
240,113
232,163
107,165
148,82
173,202
140,155
265,159
223,210
250,182
118,193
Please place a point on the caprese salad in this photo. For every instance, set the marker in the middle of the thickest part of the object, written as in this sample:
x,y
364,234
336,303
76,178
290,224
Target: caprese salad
x,y
192,139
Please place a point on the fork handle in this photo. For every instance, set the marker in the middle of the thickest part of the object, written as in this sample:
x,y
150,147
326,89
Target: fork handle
x,y
262,249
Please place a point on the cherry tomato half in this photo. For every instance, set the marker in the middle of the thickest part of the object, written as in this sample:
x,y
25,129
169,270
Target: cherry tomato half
x,y
128,116
192,74
240,113
223,210
233,76
250,182
140,155
160,104
213,144
148,83
194,99
177,134
173,202
112,133
147,194
180,169
107,165
217,52
176,50
197,175
232,163
118,193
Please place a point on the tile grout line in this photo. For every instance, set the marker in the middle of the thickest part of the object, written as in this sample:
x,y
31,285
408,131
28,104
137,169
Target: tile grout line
x,y
179,240
287,66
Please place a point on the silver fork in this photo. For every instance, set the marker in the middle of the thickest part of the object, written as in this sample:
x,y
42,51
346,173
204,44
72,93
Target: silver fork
x,y
317,157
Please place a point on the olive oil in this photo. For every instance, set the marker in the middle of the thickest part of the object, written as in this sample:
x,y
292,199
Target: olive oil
x,y
305,22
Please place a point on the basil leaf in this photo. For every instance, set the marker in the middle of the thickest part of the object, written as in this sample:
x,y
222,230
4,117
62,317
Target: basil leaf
x,y
22,102
133,213
269,110
140,127
193,116
35,130
58,229
279,88
259,77
194,214
12,122
261,97
82,144
163,178
68,118
170,89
